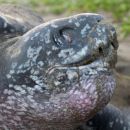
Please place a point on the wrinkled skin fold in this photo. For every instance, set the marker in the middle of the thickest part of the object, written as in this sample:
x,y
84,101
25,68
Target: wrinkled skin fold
x,y
59,74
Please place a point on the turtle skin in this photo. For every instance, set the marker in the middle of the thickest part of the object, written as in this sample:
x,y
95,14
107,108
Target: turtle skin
x,y
15,20
110,118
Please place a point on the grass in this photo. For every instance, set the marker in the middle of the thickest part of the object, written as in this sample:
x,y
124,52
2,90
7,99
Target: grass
x,y
120,9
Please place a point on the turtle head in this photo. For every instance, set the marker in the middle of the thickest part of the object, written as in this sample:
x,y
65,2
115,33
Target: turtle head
x,y
63,70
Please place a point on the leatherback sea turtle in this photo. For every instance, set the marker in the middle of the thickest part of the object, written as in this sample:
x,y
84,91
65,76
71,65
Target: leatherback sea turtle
x,y
58,75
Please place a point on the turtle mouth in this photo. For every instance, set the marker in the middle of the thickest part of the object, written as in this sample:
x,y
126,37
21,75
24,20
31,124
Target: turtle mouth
x,y
93,62
83,62
89,59
96,60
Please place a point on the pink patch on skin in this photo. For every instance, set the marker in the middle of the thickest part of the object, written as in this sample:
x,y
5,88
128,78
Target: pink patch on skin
x,y
80,101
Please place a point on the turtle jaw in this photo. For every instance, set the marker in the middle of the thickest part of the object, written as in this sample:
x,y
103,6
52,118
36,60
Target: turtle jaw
x,y
81,102
91,92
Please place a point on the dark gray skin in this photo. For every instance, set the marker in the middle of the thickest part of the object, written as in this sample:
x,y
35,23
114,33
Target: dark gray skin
x,y
110,118
58,75
16,20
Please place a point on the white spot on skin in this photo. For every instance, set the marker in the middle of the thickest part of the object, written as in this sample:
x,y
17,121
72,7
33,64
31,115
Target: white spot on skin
x,y
35,78
36,72
30,91
40,63
30,97
48,53
111,124
20,89
10,85
5,25
92,90
33,53
32,38
121,121
103,29
47,36
37,87
98,30
117,119
77,24
66,52
84,30
83,19
76,57
39,82
8,76
124,128
98,41
21,66
57,83
71,74
36,34
7,91
26,64
14,65
54,48
12,72
70,21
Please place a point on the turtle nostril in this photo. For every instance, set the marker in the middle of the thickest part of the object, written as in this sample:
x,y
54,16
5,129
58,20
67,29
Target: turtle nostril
x,y
98,20
100,50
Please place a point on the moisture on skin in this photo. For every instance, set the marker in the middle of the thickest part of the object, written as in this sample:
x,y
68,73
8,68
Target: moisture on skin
x,y
58,75
16,20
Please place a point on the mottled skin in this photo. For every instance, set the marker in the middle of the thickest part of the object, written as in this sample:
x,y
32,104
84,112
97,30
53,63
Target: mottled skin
x,y
110,118
58,75
16,20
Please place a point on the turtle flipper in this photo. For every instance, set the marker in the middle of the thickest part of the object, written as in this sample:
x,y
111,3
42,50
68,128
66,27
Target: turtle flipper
x,y
16,20
110,118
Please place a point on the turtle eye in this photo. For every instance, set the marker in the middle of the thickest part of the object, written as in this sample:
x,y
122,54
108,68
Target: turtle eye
x,y
63,36
66,33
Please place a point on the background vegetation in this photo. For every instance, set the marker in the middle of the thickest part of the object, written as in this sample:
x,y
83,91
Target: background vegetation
x,y
119,9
